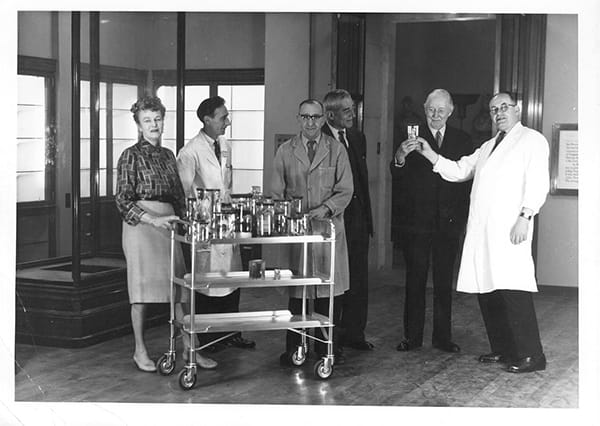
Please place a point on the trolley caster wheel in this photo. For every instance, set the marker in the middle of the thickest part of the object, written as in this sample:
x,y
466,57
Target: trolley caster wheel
x,y
322,369
187,378
165,365
299,356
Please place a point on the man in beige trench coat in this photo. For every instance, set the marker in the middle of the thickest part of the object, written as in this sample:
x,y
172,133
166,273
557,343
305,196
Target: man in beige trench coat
x,y
315,166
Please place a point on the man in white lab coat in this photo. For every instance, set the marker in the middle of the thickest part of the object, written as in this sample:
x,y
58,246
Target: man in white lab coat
x,y
510,184
205,162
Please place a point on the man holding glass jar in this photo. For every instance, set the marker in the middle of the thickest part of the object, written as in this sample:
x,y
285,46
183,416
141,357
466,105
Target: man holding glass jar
x,y
431,218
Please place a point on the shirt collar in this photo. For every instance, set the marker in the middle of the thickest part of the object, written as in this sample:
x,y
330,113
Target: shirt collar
x,y
145,145
305,140
442,131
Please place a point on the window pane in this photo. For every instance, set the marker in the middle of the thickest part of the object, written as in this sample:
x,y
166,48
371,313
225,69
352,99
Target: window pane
x,y
192,125
84,153
102,153
102,183
244,180
30,155
124,96
84,123
247,125
30,186
31,138
193,96
85,182
124,126
225,93
170,125
247,154
31,121
168,96
248,98
30,90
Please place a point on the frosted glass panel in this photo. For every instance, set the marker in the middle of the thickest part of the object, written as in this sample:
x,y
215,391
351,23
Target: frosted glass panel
x,y
31,121
225,93
247,154
30,154
124,126
243,180
102,153
84,150
30,90
193,96
124,96
248,98
30,186
192,125
102,183
168,96
85,183
169,130
84,123
247,125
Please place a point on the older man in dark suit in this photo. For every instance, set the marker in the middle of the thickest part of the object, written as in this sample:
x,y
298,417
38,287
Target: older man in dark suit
x,y
339,110
431,219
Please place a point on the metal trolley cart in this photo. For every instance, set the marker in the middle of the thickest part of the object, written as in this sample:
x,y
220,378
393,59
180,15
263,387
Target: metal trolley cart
x,y
249,321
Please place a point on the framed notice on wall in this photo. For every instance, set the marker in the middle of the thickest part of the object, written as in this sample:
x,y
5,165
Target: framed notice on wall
x,y
564,160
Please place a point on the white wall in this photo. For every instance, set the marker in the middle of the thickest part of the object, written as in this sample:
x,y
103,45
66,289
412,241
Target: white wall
x,y
558,224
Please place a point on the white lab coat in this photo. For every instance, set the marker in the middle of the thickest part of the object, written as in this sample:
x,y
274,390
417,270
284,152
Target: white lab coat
x,y
513,177
198,167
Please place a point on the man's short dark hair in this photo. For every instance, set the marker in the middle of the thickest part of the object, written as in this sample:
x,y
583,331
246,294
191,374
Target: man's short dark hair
x,y
208,107
311,102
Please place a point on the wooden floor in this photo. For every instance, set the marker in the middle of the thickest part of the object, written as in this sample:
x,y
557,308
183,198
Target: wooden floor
x,y
383,377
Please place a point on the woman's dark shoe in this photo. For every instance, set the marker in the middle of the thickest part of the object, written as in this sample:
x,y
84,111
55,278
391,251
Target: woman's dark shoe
x,y
447,346
528,364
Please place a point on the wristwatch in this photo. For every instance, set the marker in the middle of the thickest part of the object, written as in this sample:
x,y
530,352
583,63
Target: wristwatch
x,y
525,215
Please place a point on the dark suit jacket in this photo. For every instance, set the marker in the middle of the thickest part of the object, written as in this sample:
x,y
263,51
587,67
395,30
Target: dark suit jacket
x,y
422,200
357,154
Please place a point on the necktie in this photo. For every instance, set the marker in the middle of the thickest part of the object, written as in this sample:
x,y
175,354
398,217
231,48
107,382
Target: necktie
x,y
343,139
217,150
311,150
438,138
498,140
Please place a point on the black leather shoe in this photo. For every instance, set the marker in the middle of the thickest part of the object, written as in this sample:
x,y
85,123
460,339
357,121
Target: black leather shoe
x,y
528,364
406,345
361,345
238,341
447,347
492,357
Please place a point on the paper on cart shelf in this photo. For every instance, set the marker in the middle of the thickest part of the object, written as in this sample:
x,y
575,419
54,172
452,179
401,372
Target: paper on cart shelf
x,y
269,273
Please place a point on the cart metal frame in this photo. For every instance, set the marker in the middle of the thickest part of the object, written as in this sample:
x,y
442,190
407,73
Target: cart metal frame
x,y
232,323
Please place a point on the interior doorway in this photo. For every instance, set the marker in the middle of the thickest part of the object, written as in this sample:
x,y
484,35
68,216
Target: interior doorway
x,y
456,55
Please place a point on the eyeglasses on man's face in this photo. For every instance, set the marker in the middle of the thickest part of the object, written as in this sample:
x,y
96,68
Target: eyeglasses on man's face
x,y
306,117
503,108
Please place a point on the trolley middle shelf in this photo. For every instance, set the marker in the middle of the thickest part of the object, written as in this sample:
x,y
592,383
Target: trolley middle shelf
x,y
252,321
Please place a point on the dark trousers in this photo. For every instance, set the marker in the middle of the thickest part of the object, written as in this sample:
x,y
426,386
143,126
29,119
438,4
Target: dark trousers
x,y
321,306
511,323
215,305
418,248
356,299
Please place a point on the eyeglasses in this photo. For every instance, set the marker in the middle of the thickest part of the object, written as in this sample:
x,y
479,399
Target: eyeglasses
x,y
306,118
503,107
